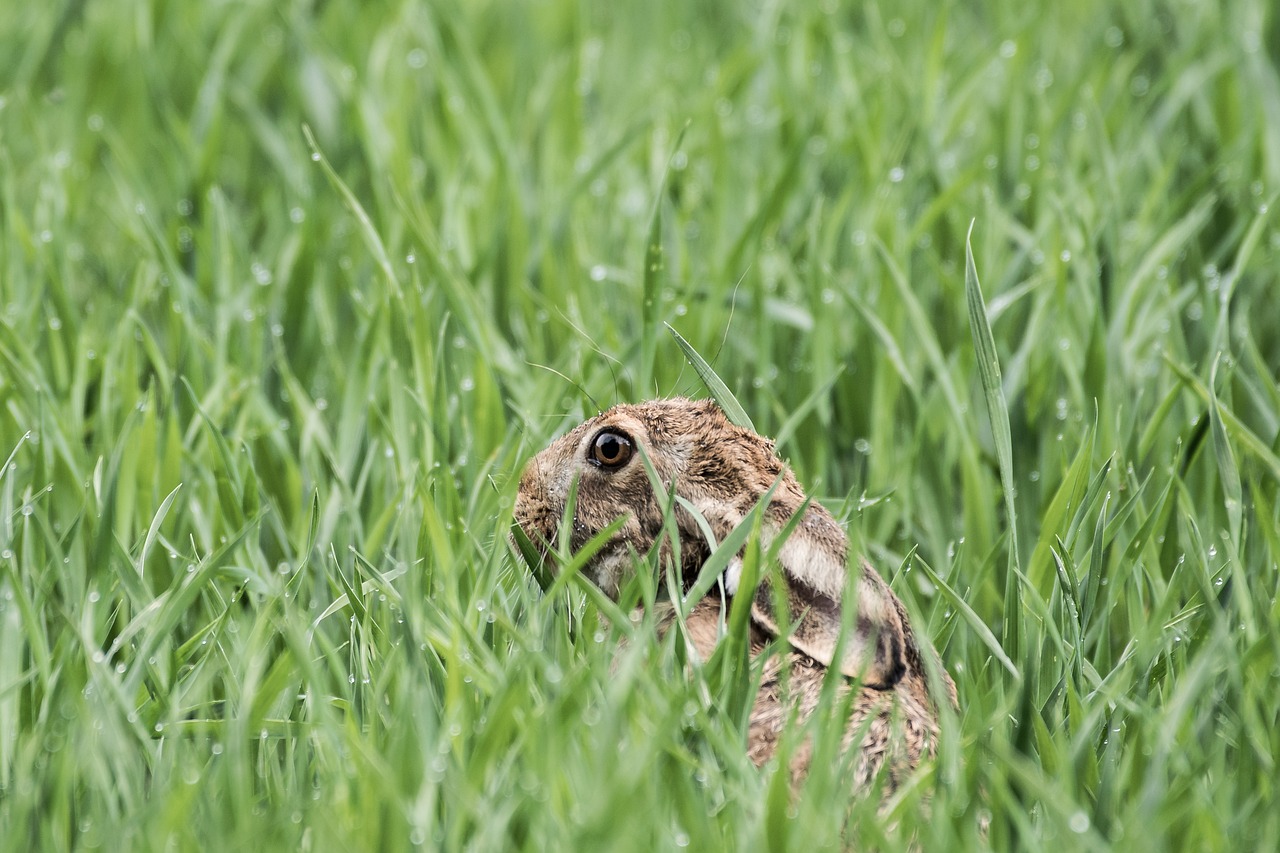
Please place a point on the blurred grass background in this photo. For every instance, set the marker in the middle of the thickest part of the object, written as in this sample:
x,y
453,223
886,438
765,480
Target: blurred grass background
x,y
262,422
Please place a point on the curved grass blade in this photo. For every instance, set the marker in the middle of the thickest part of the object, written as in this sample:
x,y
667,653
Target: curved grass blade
x,y
719,391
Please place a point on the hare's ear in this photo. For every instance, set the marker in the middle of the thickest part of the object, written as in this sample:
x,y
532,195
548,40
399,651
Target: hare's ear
x,y
874,650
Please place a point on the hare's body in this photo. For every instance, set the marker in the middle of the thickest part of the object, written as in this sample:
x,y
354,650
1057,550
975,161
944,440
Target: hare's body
x,y
722,472
894,729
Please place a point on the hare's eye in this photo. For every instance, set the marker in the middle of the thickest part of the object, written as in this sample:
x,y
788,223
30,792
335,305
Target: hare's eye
x,y
610,450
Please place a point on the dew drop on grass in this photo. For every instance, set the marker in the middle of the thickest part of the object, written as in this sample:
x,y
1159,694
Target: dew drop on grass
x,y
896,174
315,156
1079,822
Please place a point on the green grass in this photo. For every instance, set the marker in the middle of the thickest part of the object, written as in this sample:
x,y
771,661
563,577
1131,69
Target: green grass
x,y
255,589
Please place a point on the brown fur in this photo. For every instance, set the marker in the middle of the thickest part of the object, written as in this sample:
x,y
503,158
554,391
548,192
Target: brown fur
x,y
723,471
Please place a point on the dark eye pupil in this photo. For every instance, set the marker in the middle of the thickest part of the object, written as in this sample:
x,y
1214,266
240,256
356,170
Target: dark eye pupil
x,y
611,450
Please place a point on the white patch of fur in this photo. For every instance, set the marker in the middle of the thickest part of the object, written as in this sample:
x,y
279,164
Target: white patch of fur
x,y
733,576
816,566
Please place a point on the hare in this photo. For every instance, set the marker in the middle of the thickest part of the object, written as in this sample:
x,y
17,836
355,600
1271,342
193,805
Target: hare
x,y
723,471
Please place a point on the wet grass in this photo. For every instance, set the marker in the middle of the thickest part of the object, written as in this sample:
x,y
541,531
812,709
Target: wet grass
x,y
262,404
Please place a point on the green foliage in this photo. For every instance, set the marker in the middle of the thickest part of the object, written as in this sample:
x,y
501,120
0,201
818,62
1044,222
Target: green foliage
x,y
289,292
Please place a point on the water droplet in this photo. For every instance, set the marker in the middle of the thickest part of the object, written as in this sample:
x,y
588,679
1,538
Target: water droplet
x,y
261,274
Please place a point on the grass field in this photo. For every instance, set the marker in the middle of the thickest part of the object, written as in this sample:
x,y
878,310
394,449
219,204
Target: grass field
x,y
263,404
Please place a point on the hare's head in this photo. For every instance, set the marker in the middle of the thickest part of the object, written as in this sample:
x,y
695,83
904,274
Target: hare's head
x,y
722,471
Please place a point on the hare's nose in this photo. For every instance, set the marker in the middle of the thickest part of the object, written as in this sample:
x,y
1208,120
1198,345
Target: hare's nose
x,y
532,482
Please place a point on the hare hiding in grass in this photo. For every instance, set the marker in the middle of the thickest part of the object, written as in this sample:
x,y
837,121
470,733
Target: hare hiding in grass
x,y
723,471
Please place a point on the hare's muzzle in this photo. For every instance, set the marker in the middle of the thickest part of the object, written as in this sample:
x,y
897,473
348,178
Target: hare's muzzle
x,y
533,511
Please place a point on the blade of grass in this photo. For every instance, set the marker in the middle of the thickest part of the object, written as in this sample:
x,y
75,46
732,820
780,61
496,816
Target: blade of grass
x,y
719,391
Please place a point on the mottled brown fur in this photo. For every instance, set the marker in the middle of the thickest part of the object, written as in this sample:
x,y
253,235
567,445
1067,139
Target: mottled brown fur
x,y
723,470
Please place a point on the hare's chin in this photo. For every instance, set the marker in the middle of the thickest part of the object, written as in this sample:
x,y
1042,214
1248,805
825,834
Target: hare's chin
x,y
609,568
